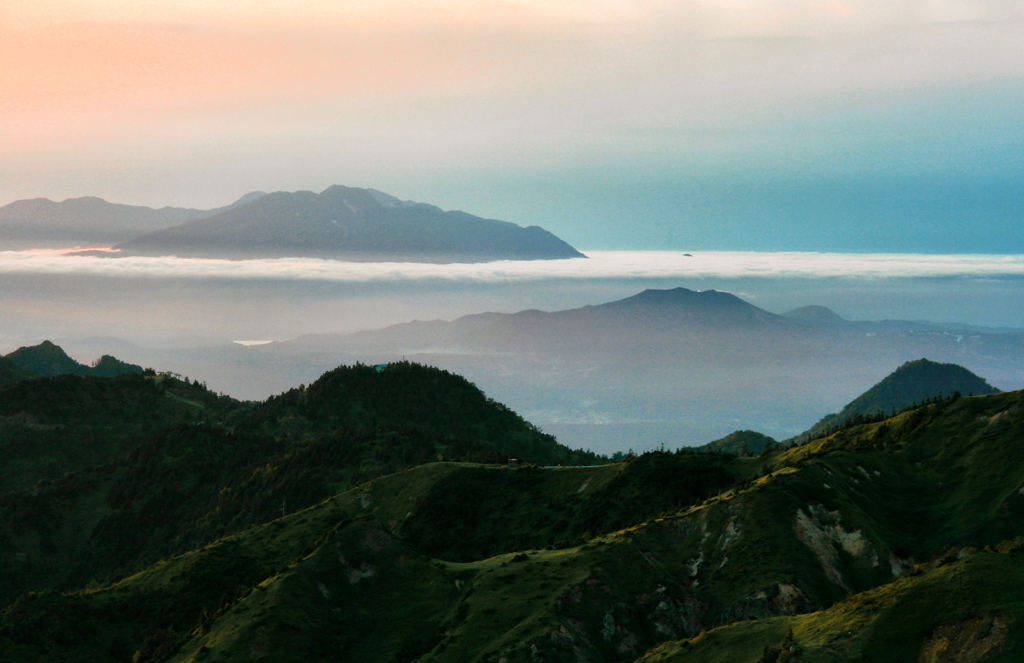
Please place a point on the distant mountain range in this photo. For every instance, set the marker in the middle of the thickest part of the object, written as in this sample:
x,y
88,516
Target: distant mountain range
x,y
89,222
646,322
341,222
670,360
351,224
674,365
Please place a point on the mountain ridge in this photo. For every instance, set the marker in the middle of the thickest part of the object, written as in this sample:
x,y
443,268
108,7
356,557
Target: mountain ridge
x,y
352,224
912,383
50,360
857,543
89,221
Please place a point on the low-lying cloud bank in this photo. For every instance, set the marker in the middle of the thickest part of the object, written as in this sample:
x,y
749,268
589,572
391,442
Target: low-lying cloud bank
x,y
600,265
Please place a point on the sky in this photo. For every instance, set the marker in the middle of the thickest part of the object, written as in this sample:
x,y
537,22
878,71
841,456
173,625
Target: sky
x,y
733,125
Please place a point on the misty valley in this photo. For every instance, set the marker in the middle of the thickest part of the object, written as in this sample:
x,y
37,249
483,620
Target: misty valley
x,y
662,474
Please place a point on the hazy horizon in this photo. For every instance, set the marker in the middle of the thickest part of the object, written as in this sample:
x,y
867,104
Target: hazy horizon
x,y
47,293
621,125
857,155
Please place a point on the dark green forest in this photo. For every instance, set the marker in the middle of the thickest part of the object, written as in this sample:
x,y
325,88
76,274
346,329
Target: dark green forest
x,y
374,515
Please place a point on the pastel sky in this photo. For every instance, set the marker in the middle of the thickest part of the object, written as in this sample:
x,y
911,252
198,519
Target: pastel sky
x,y
776,125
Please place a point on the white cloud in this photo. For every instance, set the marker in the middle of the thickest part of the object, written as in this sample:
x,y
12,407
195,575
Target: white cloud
x,y
600,265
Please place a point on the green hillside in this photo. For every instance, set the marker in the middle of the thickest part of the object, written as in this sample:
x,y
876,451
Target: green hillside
x,y
46,359
407,394
109,475
741,442
11,373
288,531
50,360
52,426
912,383
966,608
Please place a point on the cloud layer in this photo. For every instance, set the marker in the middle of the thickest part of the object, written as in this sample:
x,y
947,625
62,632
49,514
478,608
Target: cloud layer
x,y
599,265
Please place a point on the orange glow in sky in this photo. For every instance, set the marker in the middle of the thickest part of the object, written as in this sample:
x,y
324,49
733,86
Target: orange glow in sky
x,y
94,88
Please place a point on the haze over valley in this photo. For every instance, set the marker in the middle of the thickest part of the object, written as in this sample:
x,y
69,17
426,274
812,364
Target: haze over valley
x,y
433,331
627,370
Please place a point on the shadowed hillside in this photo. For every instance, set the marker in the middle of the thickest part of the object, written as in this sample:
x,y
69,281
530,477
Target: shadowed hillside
x,y
51,426
10,372
742,442
866,545
114,474
49,360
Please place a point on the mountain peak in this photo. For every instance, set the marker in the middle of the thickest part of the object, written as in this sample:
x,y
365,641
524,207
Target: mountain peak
x,y
49,359
913,382
349,223
685,306
814,314
247,198
684,297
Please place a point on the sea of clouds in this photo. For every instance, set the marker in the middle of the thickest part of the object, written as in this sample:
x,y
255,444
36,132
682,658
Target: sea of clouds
x,y
598,265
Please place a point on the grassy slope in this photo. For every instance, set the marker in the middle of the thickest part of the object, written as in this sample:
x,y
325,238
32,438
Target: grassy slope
x,y
481,512
390,503
965,611
839,516
171,488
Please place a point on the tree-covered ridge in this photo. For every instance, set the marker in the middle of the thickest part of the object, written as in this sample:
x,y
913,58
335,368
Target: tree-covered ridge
x,y
410,394
742,443
49,360
11,373
476,513
289,531
821,540
51,426
109,475
912,383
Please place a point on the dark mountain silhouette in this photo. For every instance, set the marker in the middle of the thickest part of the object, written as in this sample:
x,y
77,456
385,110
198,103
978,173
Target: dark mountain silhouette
x,y
913,382
89,221
683,365
11,372
46,359
354,224
647,321
50,360
161,465
815,314
741,442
